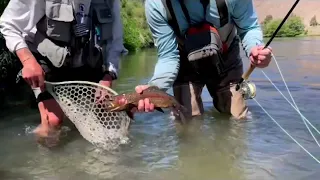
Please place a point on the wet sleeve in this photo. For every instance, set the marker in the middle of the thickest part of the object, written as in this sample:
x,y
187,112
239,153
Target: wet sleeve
x,y
117,48
19,19
245,18
166,68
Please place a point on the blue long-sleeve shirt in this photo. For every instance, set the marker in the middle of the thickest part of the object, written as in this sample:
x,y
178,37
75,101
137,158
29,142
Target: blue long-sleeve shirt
x,y
241,12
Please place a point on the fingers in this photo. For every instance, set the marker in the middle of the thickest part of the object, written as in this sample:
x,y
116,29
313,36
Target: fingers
x,y
145,105
260,56
34,79
260,47
141,88
151,108
28,81
141,105
260,61
252,60
265,52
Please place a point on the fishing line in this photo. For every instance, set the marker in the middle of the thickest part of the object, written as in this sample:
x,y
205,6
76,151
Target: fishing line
x,y
292,104
304,119
247,74
286,132
274,34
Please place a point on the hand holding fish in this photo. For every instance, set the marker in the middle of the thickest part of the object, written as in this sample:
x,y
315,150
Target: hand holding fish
x,y
260,57
100,93
144,104
145,98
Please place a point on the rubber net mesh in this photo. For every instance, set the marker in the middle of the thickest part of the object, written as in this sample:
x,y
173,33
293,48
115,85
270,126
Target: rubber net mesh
x,y
84,104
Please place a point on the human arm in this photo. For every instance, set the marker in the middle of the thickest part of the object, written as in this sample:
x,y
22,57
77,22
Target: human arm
x,y
245,18
248,27
116,45
18,19
167,66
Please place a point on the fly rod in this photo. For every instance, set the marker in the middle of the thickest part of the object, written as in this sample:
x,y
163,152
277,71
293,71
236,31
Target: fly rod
x,y
246,75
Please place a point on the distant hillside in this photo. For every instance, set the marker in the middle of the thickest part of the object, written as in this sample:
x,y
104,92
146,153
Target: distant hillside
x,y
279,8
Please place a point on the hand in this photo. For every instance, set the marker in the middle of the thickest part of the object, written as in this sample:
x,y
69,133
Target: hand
x,y
33,73
105,81
144,105
260,57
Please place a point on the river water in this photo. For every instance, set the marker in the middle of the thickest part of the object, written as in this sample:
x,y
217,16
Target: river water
x,y
214,148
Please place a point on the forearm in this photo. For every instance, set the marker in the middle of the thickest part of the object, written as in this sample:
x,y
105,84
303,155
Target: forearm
x,y
166,69
246,20
165,73
113,59
117,48
25,55
251,38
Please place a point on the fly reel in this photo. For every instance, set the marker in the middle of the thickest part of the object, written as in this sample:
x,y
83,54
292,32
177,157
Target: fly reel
x,y
247,89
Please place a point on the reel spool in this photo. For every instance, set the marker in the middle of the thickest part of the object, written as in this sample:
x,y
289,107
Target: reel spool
x,y
248,89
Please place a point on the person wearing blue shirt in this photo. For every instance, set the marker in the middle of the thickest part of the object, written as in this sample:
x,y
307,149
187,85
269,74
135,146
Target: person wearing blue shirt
x,y
198,44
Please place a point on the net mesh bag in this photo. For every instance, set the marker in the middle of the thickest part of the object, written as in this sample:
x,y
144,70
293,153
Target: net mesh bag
x,y
84,104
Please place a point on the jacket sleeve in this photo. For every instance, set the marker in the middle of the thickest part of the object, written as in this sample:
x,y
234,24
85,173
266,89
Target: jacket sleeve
x,y
116,45
167,66
18,20
246,20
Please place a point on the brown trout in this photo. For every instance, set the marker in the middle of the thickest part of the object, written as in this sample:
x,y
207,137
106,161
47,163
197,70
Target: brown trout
x,y
159,98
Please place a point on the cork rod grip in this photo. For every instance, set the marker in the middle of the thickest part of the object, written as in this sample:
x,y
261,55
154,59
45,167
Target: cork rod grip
x,y
246,75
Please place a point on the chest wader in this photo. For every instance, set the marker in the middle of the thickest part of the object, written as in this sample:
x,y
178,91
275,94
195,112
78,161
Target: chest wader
x,y
75,32
202,50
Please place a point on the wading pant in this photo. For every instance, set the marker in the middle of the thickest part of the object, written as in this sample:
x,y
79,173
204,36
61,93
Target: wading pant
x,y
189,84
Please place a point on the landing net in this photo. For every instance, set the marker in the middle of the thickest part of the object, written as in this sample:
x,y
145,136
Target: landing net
x,y
84,104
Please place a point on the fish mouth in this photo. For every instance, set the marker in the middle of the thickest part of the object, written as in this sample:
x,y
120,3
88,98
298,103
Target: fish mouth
x,y
112,107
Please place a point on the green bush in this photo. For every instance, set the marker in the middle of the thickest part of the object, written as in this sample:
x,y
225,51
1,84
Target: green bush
x,y
291,28
136,31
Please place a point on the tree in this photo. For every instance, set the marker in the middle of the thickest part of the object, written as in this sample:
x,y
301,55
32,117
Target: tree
x,y
313,21
267,19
